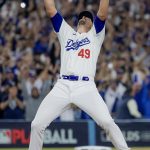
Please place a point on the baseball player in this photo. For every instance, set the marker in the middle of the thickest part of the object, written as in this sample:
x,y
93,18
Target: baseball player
x,y
79,54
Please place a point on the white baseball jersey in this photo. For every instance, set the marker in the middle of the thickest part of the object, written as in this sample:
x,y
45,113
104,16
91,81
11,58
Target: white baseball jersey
x,y
79,52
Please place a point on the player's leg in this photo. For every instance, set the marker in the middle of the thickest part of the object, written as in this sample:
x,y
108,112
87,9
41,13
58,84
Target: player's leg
x,y
92,103
51,107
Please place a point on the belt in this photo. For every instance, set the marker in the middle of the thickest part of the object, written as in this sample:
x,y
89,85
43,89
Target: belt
x,y
74,78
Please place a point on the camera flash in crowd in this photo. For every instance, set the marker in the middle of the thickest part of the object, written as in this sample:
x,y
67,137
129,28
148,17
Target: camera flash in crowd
x,y
23,5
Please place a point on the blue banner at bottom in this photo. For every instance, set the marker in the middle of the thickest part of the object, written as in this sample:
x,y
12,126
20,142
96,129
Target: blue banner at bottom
x,y
72,134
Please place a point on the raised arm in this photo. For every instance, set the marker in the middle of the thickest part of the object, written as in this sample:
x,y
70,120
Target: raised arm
x,y
103,9
50,8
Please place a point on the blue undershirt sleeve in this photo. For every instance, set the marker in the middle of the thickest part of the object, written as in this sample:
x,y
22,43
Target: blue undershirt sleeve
x,y
57,21
99,24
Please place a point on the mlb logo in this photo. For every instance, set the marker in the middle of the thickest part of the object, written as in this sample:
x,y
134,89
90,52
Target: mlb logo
x,y
5,136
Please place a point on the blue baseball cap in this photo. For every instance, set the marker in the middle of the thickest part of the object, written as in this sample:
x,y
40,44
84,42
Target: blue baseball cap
x,y
87,14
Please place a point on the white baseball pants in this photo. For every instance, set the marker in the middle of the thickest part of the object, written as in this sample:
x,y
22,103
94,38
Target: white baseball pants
x,y
83,94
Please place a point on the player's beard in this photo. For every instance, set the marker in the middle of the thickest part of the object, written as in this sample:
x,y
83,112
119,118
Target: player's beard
x,y
82,22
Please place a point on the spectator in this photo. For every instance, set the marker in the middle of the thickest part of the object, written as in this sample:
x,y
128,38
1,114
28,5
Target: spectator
x,y
138,90
111,96
34,99
12,104
146,98
127,108
1,111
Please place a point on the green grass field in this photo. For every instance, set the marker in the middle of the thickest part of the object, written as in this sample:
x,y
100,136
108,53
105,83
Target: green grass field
x,y
142,148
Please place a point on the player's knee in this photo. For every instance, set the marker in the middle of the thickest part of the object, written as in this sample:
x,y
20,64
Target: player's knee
x,y
108,124
35,126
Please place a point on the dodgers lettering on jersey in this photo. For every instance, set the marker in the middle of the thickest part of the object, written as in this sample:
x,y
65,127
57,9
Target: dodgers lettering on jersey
x,y
79,52
75,45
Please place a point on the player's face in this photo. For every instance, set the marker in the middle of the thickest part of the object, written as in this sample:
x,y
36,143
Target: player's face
x,y
85,21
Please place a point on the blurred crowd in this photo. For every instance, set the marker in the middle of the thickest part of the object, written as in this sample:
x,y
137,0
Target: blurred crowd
x,y
30,58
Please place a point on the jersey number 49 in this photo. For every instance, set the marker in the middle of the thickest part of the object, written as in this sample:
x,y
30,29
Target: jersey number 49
x,y
84,53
